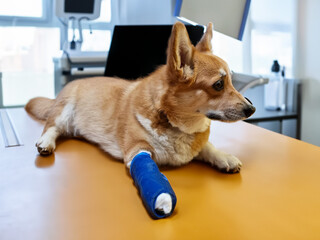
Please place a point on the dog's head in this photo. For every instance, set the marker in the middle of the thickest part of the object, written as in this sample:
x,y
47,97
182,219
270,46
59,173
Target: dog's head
x,y
200,82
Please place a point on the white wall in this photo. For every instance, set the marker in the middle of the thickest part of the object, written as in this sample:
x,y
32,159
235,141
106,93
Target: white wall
x,y
308,67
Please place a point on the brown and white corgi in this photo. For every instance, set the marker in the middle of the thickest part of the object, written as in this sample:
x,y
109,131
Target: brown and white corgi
x,y
167,113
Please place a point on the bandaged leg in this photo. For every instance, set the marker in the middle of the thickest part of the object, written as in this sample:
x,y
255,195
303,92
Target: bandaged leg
x,y
154,188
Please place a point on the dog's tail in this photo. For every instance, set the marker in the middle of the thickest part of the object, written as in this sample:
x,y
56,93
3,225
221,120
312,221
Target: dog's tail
x,y
40,107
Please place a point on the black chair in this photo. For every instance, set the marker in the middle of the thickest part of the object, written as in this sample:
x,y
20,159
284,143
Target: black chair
x,y
136,51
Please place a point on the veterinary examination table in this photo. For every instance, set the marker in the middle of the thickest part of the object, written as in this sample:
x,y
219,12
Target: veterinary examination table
x,y
80,192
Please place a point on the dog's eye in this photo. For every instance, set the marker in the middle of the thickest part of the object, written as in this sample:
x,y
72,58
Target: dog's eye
x,y
218,85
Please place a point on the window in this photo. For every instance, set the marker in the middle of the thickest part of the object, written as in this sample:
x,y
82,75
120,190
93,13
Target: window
x,y
21,8
271,34
268,46
31,36
26,64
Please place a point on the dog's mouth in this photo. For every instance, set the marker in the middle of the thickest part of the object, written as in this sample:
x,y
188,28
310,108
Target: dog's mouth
x,y
229,115
233,115
214,116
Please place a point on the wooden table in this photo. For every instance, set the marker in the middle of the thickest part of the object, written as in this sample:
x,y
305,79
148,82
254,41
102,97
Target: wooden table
x,y
82,193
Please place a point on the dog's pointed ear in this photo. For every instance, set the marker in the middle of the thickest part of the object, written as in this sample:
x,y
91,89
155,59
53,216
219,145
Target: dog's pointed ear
x,y
204,44
180,53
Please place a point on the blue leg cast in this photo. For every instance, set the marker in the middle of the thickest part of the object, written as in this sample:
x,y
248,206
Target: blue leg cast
x,y
151,183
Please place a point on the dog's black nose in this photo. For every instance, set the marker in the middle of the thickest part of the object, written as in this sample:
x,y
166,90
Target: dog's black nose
x,y
249,110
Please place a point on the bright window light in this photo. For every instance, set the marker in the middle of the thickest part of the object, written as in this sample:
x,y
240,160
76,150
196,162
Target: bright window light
x,y
268,46
97,40
26,63
105,12
272,11
21,8
272,35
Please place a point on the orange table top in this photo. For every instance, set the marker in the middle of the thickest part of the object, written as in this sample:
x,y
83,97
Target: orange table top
x,y
82,193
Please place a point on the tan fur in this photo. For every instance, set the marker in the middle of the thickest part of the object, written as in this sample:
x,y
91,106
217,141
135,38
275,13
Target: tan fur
x,y
200,140
165,113
40,107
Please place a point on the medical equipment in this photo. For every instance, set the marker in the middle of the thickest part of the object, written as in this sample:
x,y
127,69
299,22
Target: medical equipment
x,y
78,9
75,12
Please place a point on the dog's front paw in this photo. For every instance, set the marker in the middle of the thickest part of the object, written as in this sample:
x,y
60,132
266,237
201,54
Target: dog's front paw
x,y
228,163
163,203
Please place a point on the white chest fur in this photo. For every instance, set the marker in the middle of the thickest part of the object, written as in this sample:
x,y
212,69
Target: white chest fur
x,y
172,147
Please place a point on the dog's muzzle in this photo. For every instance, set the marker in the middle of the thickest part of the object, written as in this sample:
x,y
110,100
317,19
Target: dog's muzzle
x,y
249,109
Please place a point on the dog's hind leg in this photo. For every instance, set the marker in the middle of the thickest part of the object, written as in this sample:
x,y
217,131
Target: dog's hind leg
x,y
223,161
59,122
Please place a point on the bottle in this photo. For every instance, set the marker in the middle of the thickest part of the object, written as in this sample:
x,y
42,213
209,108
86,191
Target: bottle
x,y
274,90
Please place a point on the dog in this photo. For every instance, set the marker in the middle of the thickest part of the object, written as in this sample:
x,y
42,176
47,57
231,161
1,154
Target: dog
x,y
166,114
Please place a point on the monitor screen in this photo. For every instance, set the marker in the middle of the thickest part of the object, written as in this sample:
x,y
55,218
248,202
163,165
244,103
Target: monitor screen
x,y
137,51
78,6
